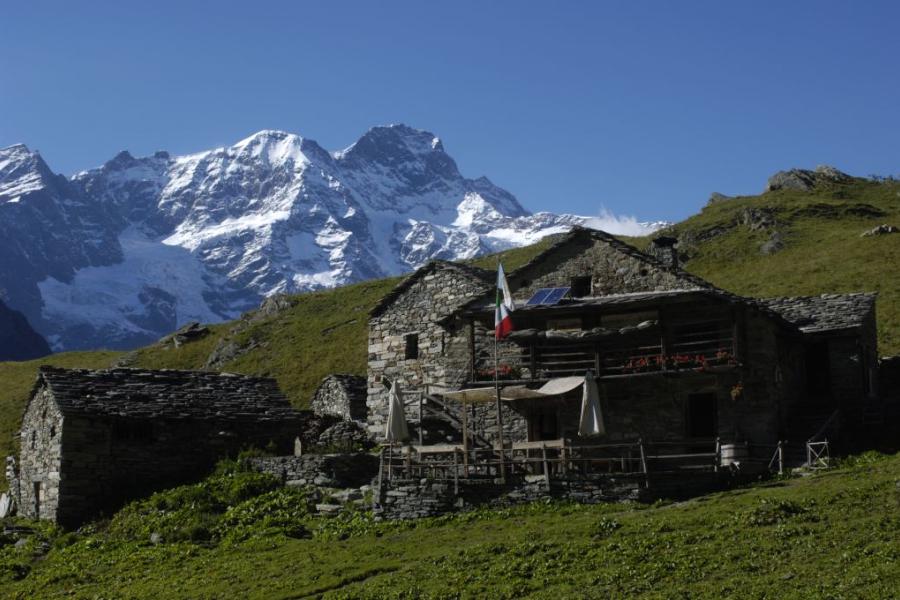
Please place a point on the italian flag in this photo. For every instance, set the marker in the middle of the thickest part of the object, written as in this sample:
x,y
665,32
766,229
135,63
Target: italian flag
x,y
502,315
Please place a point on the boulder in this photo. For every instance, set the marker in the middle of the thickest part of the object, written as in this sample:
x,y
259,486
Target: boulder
x,y
774,244
881,230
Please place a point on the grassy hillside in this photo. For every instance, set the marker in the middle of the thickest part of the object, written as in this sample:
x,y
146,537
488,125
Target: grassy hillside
x,y
325,332
831,535
823,251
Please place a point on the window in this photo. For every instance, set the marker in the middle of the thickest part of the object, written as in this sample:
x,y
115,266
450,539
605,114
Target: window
x,y
581,287
34,440
412,346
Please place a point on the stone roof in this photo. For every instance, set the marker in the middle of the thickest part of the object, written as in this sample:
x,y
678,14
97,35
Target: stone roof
x,y
166,394
470,271
828,312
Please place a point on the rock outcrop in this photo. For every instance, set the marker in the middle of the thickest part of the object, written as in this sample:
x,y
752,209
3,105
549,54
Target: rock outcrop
x,y
805,180
881,230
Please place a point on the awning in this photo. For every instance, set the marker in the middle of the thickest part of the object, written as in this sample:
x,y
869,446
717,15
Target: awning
x,y
554,387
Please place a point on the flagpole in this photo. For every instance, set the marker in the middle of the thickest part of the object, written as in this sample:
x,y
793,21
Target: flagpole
x,y
497,391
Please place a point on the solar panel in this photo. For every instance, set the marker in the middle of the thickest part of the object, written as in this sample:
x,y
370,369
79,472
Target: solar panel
x,y
548,296
538,297
555,295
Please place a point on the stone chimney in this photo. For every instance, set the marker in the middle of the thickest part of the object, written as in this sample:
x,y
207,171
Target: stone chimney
x,y
663,248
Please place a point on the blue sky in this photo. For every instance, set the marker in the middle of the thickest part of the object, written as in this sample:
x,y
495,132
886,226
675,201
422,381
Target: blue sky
x,y
644,108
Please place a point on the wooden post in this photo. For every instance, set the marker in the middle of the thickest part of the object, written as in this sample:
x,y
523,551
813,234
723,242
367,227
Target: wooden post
x,y
546,466
472,366
643,456
421,401
780,458
465,424
380,475
718,457
533,361
499,409
455,474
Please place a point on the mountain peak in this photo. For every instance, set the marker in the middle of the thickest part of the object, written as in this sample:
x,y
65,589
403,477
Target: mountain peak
x,y
22,171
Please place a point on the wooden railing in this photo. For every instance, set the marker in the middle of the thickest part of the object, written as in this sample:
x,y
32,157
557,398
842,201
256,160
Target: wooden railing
x,y
639,353
553,458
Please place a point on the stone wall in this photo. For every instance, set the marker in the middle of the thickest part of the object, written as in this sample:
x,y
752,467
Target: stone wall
x,y
419,498
346,435
324,470
107,462
443,349
40,458
341,395
613,270
414,499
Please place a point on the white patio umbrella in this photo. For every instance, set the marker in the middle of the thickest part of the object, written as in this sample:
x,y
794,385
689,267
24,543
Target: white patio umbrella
x,y
591,422
396,429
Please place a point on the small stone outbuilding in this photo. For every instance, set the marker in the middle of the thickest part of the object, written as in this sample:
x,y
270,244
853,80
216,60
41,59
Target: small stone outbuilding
x,y
341,395
92,440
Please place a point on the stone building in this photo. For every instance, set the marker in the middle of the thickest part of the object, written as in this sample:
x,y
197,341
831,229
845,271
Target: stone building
x,y
91,440
341,395
410,342
675,357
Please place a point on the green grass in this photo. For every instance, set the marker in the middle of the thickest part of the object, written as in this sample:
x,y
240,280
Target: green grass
x,y
835,534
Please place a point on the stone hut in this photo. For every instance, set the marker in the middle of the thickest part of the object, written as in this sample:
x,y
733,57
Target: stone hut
x,y
409,342
92,440
676,358
341,395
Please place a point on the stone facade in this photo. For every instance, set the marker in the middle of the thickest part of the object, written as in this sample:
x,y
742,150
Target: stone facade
x,y
341,395
419,498
419,308
92,440
41,458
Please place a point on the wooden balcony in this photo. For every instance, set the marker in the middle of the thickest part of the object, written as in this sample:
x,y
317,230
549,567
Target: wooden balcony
x,y
699,349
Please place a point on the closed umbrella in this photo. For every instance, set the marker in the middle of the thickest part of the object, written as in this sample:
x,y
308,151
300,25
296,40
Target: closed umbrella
x,y
396,429
591,422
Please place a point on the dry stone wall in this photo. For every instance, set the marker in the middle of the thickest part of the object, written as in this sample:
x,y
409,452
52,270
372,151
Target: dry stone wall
x,y
40,459
323,470
612,271
443,355
418,498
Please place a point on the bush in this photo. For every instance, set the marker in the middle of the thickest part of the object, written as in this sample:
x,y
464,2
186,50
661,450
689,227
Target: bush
x,y
282,511
191,512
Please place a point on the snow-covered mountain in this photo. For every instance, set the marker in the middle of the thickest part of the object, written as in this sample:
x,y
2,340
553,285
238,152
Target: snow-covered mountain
x,y
121,254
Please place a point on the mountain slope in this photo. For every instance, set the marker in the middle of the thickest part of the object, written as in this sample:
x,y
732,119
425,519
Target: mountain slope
x,y
793,242
121,254
18,341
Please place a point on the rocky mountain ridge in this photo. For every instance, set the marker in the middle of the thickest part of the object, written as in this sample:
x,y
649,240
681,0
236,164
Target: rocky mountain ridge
x,y
119,255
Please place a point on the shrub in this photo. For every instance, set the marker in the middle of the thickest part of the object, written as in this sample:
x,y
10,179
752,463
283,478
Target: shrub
x,y
282,511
